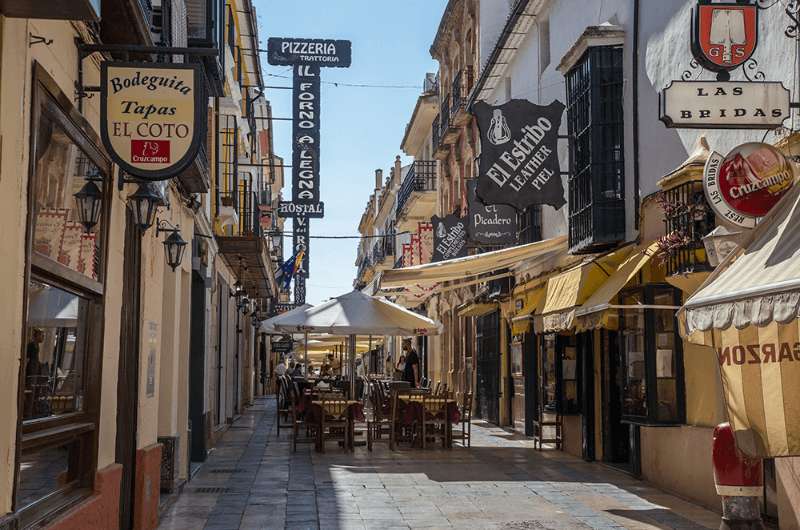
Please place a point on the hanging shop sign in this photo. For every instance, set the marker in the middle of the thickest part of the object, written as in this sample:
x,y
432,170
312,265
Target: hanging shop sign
x,y
519,157
724,105
283,51
152,116
747,183
301,241
493,225
290,209
305,132
449,237
283,345
724,35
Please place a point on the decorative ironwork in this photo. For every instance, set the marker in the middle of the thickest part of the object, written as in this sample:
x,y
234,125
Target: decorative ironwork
x,y
169,456
421,177
751,71
691,72
687,218
766,4
596,130
793,12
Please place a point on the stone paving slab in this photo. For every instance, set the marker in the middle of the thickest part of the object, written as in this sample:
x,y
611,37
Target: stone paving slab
x,y
253,480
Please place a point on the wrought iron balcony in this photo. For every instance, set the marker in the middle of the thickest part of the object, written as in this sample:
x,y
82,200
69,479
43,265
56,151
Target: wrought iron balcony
x,y
436,130
687,219
378,254
399,263
206,29
421,177
459,94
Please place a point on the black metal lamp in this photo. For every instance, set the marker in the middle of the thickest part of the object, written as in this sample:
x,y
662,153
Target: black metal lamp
x,y
90,201
174,244
244,305
144,202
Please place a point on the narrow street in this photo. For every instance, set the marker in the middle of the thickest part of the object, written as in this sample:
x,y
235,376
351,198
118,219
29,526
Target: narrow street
x,y
253,480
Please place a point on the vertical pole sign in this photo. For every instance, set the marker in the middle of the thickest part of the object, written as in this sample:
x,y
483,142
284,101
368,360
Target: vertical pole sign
x,y
307,57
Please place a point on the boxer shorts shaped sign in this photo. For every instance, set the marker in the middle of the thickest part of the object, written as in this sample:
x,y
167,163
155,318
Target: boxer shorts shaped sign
x,y
152,117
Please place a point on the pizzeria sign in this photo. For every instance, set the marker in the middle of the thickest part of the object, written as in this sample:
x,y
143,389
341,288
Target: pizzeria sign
x,y
152,116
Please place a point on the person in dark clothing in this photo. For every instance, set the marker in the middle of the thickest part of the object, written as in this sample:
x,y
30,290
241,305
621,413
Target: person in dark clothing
x,y
411,372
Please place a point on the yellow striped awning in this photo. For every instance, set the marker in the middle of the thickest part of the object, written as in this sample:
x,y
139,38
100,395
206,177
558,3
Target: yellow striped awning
x,y
760,369
566,291
597,310
529,301
477,309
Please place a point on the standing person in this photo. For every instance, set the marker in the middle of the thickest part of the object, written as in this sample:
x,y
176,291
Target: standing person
x,y
411,372
281,368
400,369
388,368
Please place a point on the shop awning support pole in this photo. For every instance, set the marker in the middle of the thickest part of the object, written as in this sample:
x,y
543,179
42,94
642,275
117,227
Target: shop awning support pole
x,y
352,368
305,354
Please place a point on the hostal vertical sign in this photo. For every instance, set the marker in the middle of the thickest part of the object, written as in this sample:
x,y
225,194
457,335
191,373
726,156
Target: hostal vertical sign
x,y
307,57
152,117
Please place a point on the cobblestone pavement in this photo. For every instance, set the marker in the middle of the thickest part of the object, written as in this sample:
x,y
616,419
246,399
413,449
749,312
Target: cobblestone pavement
x,y
253,480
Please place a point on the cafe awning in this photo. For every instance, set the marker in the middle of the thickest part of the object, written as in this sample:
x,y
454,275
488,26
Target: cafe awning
x,y
758,285
477,309
465,271
598,309
566,291
530,300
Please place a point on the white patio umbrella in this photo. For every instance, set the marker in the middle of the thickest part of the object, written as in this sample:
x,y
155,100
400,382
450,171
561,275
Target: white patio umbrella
x,y
268,326
356,313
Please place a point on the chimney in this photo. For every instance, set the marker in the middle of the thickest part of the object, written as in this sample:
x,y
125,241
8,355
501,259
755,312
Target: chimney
x,y
398,168
378,179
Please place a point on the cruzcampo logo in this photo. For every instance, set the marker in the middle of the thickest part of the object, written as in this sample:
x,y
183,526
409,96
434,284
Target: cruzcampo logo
x,y
152,117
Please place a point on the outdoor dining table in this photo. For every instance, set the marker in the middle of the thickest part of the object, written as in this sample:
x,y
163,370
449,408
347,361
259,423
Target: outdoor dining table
x,y
414,409
351,410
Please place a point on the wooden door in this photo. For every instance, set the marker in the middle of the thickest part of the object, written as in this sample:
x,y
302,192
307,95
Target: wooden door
x,y
128,374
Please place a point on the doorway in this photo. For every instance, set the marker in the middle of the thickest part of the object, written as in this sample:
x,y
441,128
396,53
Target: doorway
x,y
487,398
128,372
620,440
529,375
197,364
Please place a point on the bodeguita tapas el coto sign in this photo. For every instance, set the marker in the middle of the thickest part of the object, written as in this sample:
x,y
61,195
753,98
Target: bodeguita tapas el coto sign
x,y
494,224
449,237
519,156
747,183
152,116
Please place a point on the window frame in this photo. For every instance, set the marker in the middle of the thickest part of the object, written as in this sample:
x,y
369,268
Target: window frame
x,y
647,293
81,426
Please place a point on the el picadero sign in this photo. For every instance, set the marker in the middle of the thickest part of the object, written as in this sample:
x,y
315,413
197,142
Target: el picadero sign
x,y
152,116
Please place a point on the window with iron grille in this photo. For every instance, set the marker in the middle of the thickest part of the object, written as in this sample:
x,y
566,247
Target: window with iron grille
x,y
530,225
595,122
687,219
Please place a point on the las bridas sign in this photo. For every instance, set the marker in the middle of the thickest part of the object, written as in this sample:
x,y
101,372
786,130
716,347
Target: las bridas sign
x,y
724,105
152,116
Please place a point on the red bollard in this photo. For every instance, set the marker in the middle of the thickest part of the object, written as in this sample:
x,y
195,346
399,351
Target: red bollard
x,y
739,480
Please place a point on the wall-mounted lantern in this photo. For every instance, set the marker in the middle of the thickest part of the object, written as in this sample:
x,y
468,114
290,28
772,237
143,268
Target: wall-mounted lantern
x,y
144,202
174,244
90,200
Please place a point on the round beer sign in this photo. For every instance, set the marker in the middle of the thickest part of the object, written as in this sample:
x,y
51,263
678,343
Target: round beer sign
x,y
747,183
152,116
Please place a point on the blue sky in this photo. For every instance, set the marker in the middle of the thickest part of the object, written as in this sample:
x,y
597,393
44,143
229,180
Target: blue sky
x,y
361,127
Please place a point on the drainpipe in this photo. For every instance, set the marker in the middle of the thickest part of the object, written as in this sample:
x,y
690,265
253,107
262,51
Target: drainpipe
x,y
635,87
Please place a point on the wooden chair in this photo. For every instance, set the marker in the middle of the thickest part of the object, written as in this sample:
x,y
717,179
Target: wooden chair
x,y
435,420
298,419
380,422
283,399
334,424
464,435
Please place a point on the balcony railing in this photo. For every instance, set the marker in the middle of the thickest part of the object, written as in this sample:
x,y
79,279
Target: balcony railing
x,y
399,262
378,254
444,118
459,95
421,177
245,201
687,219
436,132
205,28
